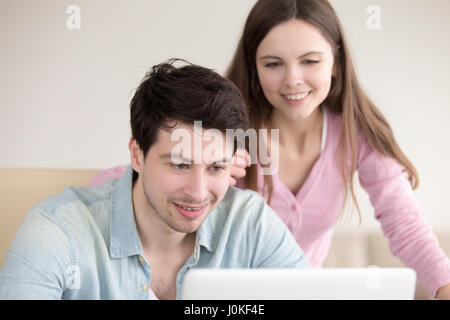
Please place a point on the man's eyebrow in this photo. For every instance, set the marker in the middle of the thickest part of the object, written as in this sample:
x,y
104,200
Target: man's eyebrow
x,y
168,156
224,160
302,56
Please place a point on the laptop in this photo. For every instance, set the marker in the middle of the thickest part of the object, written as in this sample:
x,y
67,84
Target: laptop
x,y
371,283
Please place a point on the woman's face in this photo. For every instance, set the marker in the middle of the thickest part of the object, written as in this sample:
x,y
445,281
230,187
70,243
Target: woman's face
x,y
295,64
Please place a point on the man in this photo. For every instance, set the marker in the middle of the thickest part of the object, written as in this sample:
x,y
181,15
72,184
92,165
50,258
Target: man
x,y
136,237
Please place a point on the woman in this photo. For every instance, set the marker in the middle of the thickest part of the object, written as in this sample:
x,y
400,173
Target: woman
x,y
294,69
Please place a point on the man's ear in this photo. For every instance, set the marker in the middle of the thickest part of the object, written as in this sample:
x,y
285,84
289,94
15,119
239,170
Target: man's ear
x,y
136,155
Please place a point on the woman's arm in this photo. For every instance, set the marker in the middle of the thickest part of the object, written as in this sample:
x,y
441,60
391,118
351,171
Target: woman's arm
x,y
403,220
443,293
106,175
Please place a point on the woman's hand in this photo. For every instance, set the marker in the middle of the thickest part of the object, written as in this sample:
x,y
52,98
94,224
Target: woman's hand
x,y
443,293
240,161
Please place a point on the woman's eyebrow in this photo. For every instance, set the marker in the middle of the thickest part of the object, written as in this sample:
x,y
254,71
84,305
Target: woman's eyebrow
x,y
302,56
270,57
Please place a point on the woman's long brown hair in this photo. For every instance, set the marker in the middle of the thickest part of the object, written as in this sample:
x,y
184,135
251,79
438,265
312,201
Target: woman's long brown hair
x,y
346,97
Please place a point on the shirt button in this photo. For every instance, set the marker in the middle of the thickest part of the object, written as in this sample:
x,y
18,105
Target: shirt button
x,y
295,207
144,287
141,259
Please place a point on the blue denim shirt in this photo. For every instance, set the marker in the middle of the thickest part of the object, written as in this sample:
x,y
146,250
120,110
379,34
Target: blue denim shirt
x,y
83,244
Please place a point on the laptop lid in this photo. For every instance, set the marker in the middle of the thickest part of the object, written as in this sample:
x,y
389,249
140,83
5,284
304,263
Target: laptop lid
x,y
371,283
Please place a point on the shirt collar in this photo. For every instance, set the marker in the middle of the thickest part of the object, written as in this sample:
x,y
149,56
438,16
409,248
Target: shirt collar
x,y
208,234
124,237
204,234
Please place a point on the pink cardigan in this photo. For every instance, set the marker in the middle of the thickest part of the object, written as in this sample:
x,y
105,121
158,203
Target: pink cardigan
x,y
312,213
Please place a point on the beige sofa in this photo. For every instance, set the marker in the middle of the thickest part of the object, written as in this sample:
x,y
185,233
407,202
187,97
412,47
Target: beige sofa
x,y
20,189
351,250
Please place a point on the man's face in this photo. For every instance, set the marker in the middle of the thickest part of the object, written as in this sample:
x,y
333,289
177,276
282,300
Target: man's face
x,y
178,191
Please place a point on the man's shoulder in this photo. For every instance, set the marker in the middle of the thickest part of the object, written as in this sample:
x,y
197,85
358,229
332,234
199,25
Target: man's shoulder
x,y
243,207
238,199
60,219
72,200
248,233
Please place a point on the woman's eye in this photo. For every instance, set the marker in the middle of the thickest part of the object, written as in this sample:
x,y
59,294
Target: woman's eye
x,y
272,64
311,61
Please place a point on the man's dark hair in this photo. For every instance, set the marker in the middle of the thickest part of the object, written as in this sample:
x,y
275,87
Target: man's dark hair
x,y
185,94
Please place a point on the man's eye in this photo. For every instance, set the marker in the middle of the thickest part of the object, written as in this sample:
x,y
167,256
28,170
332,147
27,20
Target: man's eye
x,y
217,168
180,166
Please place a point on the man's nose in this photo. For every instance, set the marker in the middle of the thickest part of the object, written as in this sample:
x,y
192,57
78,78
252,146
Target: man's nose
x,y
197,187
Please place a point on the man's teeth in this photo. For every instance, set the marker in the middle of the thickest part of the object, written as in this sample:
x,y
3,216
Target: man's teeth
x,y
189,209
296,96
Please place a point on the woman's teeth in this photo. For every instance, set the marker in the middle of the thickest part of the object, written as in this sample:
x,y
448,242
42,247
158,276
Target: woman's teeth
x,y
296,96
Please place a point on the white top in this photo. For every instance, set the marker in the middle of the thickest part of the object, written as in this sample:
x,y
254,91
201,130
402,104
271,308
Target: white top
x,y
324,130
151,294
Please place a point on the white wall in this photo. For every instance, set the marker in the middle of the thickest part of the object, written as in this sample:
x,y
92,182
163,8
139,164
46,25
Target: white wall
x,y
64,94
404,67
